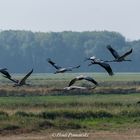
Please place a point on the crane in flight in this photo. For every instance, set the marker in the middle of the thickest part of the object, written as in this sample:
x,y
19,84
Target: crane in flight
x,y
20,82
82,77
78,78
60,69
116,55
101,63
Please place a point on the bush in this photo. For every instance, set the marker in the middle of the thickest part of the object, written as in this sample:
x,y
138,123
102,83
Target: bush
x,y
24,114
11,127
49,115
103,114
3,115
130,113
46,124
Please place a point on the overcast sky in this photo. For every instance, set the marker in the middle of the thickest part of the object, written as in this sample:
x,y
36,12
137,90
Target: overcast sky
x,y
76,15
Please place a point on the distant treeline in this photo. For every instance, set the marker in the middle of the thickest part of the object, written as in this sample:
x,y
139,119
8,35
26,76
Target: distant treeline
x,y
22,50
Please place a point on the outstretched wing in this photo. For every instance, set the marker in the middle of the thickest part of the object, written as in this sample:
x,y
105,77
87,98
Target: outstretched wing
x,y
5,73
75,67
22,81
8,76
113,52
53,64
75,87
127,53
72,81
3,69
91,80
107,67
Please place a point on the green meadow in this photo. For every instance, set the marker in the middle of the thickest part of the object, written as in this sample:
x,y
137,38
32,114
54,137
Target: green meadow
x,y
87,110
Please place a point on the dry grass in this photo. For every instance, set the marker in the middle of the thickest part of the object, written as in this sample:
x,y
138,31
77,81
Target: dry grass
x,y
8,90
112,106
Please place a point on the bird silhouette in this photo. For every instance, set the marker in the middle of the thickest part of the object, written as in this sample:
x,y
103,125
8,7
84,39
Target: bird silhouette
x,y
17,82
82,77
101,63
4,72
117,57
60,69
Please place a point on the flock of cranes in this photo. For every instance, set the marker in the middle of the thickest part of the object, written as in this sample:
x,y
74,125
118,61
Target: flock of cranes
x,y
93,60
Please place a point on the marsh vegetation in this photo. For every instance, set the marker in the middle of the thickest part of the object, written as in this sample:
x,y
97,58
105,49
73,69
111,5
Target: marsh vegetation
x,y
114,105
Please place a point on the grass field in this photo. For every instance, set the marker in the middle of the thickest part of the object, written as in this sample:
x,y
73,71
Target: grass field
x,y
88,110
99,112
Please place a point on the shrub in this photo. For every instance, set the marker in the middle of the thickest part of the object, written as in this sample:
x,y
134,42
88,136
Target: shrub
x,y
24,114
3,115
11,127
46,124
49,115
